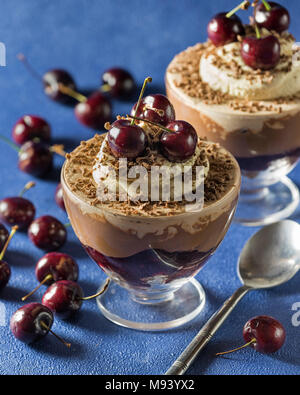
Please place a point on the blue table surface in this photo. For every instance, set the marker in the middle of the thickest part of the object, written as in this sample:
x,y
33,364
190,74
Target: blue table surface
x,y
86,37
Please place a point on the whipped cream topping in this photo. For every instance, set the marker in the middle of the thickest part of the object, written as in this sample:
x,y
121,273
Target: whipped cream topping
x,y
224,70
104,169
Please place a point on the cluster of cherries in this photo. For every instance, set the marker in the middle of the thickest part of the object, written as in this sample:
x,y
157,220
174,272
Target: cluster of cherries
x,y
257,52
96,109
128,140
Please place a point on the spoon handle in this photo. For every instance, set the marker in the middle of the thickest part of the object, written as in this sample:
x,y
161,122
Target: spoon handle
x,y
188,356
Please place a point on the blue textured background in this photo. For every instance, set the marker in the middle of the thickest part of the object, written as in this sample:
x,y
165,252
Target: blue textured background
x,y
86,37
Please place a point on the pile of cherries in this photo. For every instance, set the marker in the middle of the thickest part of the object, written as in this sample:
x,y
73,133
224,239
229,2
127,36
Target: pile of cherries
x,y
257,52
178,140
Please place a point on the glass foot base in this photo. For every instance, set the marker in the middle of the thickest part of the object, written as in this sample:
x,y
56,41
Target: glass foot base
x,y
154,314
267,205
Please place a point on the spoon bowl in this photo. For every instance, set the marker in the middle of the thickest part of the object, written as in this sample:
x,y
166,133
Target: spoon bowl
x,y
271,257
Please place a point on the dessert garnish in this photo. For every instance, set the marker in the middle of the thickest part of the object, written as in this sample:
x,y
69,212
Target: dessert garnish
x,y
32,322
264,334
65,298
156,108
31,127
5,271
58,196
272,16
118,82
52,267
47,233
51,81
225,27
261,52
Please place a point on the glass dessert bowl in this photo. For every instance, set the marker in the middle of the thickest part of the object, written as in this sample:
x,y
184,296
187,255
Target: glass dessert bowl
x,y
252,112
150,250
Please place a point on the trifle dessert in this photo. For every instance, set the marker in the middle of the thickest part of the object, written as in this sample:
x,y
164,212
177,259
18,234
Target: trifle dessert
x,y
150,248
241,89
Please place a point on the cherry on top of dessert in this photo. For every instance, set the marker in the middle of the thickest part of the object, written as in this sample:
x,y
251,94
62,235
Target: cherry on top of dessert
x,y
261,52
224,30
156,108
179,143
31,127
272,16
126,140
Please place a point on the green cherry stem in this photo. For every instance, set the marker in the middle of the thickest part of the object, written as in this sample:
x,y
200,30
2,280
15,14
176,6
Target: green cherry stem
x,y
267,5
244,5
151,123
257,31
101,292
47,278
13,231
10,143
70,92
68,345
237,349
28,186
147,80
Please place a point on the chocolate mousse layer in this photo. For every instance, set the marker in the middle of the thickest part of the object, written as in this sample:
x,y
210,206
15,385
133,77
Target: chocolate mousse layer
x,y
256,132
121,229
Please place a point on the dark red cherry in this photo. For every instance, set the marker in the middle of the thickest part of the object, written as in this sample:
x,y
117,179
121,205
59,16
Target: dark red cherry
x,y
35,158
31,322
3,236
47,233
155,108
119,82
58,265
17,211
52,267
223,30
278,18
261,53
5,273
266,333
64,298
52,79
59,197
94,112
180,143
31,127
126,140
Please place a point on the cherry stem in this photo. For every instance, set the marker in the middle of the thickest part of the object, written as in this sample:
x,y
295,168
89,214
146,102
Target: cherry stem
x,y
28,186
267,5
10,143
28,66
68,225
47,278
105,88
151,123
68,345
244,5
104,289
147,80
237,349
70,92
59,150
257,31
12,232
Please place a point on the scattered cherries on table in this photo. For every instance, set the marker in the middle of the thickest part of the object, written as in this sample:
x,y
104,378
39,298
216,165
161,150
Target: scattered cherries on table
x,y
53,267
47,233
31,127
